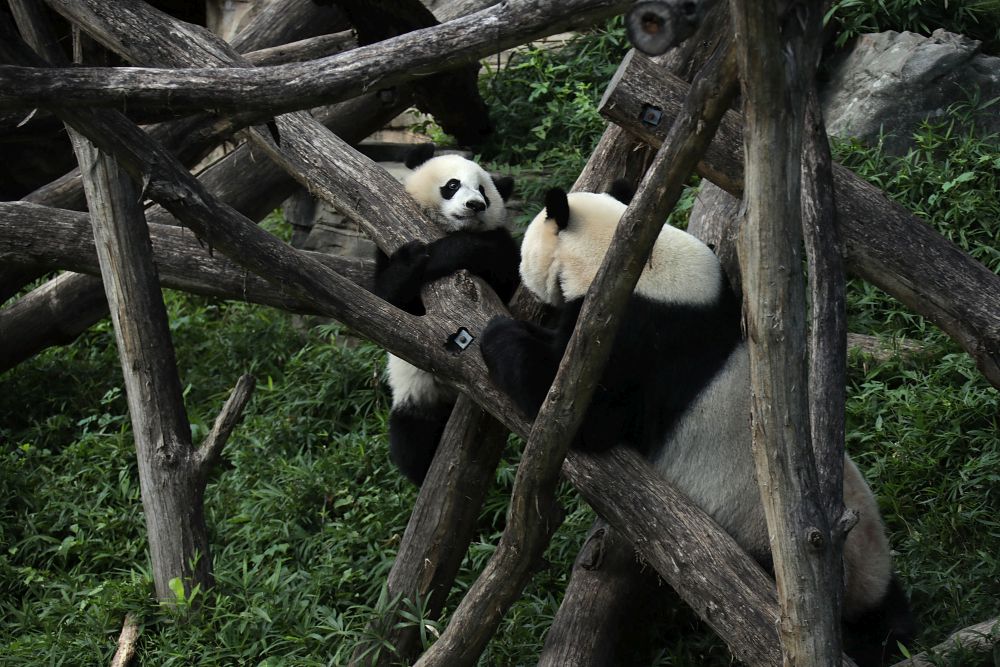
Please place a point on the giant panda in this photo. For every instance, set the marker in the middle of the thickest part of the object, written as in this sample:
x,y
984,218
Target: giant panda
x,y
677,389
468,204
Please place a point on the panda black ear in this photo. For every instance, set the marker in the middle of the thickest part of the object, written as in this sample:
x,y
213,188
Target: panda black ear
x,y
622,191
419,155
557,207
504,185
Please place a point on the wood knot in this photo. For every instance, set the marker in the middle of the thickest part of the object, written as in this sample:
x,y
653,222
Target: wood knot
x,y
815,538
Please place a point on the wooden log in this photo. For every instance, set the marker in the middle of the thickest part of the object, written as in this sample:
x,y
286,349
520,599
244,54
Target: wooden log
x,y
282,21
979,638
303,49
605,584
48,316
885,244
774,309
294,86
172,500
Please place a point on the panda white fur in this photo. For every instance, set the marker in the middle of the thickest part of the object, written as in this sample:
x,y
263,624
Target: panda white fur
x,y
468,204
677,389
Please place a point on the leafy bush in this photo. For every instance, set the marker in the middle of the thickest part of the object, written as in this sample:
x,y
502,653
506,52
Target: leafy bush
x,y
979,19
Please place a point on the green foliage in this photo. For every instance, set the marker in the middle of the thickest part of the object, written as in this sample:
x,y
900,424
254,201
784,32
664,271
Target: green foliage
x,y
979,19
951,179
544,105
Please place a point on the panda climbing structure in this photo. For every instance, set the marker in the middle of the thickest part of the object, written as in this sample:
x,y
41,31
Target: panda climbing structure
x,y
677,389
468,204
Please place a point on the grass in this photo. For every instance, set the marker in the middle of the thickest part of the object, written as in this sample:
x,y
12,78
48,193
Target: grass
x,y
305,524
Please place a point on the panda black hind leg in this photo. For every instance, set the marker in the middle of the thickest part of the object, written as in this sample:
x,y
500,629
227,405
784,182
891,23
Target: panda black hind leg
x,y
872,638
522,359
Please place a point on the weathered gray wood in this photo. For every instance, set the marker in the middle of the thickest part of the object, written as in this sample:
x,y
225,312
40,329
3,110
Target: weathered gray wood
x,y
979,638
885,244
441,526
533,508
303,49
774,310
48,316
604,587
282,21
701,562
172,501
283,88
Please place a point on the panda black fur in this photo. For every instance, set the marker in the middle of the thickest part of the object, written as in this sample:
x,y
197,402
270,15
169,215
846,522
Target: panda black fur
x,y
468,204
677,389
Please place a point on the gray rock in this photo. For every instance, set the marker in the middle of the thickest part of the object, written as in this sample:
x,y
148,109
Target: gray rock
x,y
893,81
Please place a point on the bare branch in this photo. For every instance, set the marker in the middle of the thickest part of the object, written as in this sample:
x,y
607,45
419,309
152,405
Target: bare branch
x,y
229,417
128,642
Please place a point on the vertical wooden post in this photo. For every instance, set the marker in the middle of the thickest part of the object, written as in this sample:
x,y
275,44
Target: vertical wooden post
x,y
770,249
171,498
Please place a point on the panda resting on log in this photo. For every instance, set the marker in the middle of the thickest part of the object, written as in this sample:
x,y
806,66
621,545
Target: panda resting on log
x,y
677,389
469,205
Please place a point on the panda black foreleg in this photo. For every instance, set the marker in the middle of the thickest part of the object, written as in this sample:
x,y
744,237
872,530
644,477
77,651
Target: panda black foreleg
x,y
398,278
492,255
414,434
522,359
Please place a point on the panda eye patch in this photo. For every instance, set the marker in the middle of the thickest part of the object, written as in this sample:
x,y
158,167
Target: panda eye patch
x,y
452,184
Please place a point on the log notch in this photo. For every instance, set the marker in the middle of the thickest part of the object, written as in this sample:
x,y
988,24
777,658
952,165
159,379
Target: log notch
x,y
885,244
774,306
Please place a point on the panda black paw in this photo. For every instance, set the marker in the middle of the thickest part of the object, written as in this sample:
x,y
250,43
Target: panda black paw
x,y
520,359
401,276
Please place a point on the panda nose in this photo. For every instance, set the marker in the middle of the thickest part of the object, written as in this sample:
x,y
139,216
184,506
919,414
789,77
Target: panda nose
x,y
476,205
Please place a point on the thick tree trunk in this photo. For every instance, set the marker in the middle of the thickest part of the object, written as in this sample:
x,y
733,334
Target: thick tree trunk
x,y
171,497
774,306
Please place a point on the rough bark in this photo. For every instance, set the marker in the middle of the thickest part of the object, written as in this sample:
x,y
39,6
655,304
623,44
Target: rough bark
x,y
172,501
533,509
303,49
49,316
604,586
885,244
282,21
295,86
774,307
979,638
128,642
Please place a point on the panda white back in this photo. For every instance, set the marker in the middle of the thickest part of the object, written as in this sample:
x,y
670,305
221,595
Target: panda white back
x,y
559,264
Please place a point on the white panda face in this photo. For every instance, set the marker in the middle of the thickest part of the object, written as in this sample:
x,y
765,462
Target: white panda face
x,y
559,265
458,194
